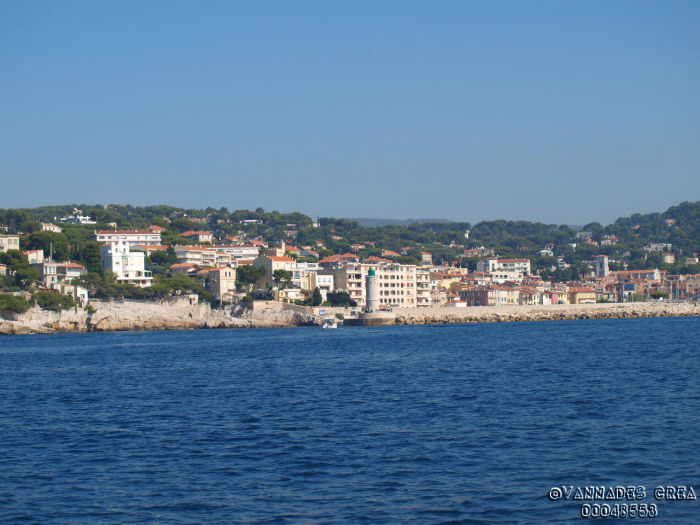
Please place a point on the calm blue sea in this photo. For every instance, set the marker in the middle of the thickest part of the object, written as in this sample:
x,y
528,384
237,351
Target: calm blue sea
x,y
427,424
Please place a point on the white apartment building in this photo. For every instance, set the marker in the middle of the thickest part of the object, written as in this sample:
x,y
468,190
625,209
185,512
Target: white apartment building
x,y
323,282
128,266
204,256
130,237
422,288
502,270
240,252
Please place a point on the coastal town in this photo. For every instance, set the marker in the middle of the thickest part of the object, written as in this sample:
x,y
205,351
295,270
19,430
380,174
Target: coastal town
x,y
252,259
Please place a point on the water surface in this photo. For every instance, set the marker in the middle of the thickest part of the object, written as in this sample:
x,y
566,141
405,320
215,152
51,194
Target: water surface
x,y
428,424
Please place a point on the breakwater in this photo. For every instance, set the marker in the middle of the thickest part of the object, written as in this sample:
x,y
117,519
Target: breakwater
x,y
555,312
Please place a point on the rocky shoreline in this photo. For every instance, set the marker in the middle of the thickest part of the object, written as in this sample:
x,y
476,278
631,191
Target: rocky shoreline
x,y
112,316
181,315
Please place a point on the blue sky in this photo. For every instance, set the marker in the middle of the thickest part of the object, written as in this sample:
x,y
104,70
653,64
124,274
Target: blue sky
x,y
557,111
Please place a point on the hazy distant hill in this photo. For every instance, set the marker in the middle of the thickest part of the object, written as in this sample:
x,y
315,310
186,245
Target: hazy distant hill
x,y
373,223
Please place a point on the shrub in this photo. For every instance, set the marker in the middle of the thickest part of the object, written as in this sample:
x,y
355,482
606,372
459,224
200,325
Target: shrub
x,y
14,304
54,301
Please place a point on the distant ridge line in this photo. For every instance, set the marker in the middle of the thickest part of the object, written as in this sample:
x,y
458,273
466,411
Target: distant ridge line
x,y
370,222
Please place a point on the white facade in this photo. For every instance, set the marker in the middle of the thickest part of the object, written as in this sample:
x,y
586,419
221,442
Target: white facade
x,y
422,288
241,252
502,270
130,237
205,256
48,227
77,219
128,266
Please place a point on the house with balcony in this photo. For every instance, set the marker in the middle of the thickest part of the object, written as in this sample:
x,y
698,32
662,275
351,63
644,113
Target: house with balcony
x,y
128,266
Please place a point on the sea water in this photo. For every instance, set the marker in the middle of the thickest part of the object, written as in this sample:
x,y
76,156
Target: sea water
x,y
478,423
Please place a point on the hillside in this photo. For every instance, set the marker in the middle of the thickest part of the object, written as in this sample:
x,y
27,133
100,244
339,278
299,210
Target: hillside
x,y
624,240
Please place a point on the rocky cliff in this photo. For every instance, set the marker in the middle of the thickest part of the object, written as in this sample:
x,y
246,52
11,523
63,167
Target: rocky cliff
x,y
137,315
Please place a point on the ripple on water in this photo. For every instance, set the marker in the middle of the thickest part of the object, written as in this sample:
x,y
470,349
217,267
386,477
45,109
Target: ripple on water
x,y
456,424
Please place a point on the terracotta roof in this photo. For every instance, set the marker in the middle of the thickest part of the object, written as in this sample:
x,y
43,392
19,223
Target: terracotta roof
x,y
190,233
182,265
377,259
155,247
280,259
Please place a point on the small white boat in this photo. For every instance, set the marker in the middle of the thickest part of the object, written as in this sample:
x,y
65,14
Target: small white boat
x,y
329,323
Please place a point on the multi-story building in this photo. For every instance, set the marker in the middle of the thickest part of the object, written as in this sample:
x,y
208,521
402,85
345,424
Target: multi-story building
x,y
397,282
491,295
51,272
9,242
505,269
128,266
302,275
272,263
239,252
205,256
601,266
580,295
422,288
130,237
323,282
222,283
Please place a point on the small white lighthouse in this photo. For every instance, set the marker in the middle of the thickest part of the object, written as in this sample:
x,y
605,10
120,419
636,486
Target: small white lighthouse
x,y
372,283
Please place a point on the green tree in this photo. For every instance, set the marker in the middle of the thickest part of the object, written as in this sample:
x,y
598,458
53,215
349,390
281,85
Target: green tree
x,y
14,304
53,301
46,240
282,278
249,274
316,298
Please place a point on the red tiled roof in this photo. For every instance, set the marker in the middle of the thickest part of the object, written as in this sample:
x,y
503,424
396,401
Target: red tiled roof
x,y
155,247
191,233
